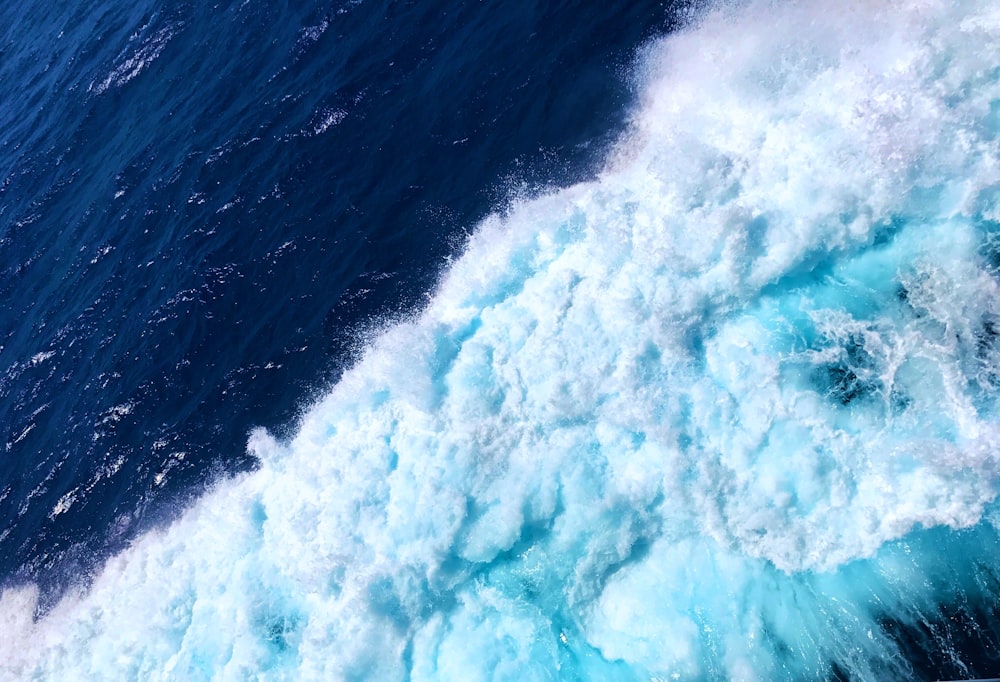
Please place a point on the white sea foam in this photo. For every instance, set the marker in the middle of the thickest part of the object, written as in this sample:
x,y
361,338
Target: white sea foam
x,y
131,62
681,421
39,358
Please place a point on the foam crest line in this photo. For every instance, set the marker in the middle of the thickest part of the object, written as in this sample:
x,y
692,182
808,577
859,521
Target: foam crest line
x,y
720,413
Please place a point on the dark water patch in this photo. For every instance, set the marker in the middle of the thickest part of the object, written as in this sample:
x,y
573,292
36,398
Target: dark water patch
x,y
957,636
204,204
853,375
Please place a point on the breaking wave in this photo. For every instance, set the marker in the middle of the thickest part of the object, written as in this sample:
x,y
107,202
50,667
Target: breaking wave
x,y
728,411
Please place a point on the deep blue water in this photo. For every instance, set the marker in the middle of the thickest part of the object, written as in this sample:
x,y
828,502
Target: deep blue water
x,y
202,205
479,341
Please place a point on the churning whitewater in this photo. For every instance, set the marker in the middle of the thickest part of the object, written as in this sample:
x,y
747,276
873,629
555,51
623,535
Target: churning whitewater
x,y
723,412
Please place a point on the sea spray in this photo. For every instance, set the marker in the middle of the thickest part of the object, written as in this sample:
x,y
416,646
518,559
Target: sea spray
x,y
727,411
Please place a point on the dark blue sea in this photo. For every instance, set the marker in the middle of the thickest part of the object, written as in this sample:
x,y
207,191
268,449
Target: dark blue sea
x,y
480,341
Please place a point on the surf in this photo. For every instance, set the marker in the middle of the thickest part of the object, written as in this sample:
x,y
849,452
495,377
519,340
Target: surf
x,y
727,411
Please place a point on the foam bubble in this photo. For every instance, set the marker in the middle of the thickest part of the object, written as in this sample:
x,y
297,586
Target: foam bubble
x,y
689,419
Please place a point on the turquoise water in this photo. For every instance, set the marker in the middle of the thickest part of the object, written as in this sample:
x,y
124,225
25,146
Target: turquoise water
x,y
726,411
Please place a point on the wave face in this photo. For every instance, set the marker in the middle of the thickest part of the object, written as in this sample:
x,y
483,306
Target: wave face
x,y
728,411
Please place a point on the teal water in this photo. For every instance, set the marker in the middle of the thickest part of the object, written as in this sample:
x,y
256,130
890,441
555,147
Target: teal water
x,y
727,410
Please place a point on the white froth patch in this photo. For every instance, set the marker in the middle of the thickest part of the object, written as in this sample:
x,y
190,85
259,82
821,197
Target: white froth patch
x,y
132,62
63,504
39,358
655,425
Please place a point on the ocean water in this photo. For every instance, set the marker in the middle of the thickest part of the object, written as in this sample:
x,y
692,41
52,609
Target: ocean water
x,y
204,208
572,342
